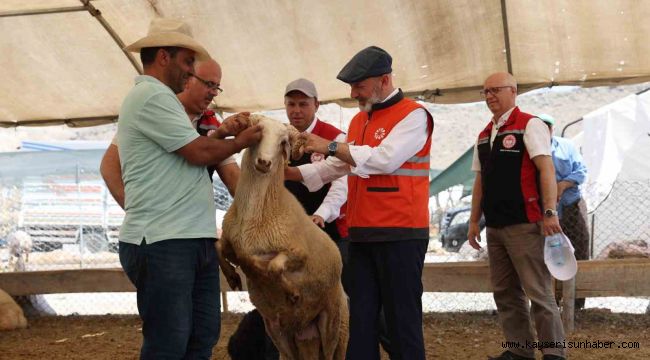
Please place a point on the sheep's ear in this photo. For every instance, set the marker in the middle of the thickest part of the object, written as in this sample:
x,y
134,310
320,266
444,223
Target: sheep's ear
x,y
297,143
254,119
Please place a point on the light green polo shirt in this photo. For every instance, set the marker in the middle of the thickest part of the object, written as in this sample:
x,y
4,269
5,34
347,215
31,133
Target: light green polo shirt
x,y
166,197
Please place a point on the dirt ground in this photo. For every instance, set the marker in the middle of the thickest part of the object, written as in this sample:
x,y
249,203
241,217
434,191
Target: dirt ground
x,y
447,336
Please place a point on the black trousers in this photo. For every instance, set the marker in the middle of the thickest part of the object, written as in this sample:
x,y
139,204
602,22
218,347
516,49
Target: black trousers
x,y
388,275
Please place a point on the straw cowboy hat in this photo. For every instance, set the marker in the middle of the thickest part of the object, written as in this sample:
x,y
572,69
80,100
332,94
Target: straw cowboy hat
x,y
169,32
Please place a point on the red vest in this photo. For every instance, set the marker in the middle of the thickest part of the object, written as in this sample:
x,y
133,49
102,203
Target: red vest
x,y
311,201
392,206
508,176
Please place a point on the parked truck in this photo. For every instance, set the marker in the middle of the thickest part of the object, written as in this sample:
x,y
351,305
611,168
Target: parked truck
x,y
70,210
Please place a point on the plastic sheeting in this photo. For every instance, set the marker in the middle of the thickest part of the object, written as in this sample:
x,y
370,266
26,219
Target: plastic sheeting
x,y
616,143
67,67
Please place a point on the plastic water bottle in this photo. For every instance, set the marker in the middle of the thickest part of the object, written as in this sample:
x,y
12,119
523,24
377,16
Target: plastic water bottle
x,y
555,245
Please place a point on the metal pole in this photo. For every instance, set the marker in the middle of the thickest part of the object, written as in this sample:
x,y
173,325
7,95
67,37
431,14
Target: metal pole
x,y
591,240
81,230
42,11
506,35
98,15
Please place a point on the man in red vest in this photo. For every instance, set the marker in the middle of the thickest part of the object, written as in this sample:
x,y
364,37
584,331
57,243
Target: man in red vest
x,y
515,189
327,204
386,157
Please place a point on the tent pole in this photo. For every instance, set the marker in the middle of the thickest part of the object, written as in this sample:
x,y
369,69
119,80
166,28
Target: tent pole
x,y
71,122
98,15
506,35
42,11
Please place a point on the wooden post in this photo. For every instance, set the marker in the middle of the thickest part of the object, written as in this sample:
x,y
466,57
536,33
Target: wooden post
x,y
568,305
224,300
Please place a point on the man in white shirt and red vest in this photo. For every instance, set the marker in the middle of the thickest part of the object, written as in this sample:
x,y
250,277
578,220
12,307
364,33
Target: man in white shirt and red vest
x,y
325,205
515,189
386,157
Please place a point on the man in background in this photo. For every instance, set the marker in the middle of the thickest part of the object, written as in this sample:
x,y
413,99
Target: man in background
x,y
570,174
516,191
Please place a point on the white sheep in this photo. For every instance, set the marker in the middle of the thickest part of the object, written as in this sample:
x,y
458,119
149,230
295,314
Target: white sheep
x,y
20,245
293,268
11,315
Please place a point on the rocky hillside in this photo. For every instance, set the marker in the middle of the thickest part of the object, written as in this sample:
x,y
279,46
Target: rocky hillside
x,y
455,130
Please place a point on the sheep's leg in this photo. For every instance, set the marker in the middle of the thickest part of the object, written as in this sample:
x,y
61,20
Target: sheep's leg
x,y
280,340
333,327
309,348
292,293
328,326
226,252
278,264
288,260
259,263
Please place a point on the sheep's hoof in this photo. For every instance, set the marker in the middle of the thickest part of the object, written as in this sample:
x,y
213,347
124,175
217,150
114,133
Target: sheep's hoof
x,y
234,282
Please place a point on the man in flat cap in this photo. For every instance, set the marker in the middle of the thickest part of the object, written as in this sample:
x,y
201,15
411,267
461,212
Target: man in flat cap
x,y
167,237
386,155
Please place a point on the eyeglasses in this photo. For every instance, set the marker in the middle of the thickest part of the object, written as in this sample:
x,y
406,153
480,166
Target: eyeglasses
x,y
209,84
493,90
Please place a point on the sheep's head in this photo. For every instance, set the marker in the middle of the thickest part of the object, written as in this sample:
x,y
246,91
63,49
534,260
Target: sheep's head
x,y
279,141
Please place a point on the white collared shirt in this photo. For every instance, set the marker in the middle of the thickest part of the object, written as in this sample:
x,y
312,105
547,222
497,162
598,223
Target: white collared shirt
x,y
404,141
337,195
537,138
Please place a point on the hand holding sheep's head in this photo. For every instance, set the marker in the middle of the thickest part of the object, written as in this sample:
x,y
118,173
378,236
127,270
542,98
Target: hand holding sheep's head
x,y
279,141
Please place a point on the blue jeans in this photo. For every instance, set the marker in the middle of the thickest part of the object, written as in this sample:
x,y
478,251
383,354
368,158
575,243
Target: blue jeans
x,y
178,293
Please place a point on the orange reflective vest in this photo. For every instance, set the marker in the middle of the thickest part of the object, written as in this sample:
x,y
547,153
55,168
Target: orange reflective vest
x,y
392,206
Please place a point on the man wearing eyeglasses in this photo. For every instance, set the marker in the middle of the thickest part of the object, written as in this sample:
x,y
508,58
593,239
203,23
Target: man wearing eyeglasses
x,y
195,98
515,189
201,88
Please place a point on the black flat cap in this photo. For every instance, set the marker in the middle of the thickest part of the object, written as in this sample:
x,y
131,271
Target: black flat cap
x,y
369,62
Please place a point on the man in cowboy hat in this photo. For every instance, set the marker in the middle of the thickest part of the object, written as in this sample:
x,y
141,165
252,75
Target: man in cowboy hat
x,y
199,91
167,237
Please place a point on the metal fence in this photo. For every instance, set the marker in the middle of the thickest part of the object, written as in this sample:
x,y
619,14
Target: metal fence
x,y
59,221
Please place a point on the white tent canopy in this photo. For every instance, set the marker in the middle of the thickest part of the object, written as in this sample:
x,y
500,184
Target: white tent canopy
x,y
62,60
615,145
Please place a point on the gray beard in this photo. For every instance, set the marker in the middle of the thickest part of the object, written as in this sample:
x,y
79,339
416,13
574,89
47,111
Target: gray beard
x,y
374,99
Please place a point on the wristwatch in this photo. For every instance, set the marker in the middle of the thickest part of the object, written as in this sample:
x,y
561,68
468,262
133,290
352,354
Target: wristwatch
x,y
550,213
331,148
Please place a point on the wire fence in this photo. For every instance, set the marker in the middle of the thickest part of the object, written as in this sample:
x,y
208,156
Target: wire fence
x,y
70,221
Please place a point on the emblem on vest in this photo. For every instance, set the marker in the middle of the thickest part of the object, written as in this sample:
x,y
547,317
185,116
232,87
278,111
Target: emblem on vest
x,y
380,133
316,157
509,141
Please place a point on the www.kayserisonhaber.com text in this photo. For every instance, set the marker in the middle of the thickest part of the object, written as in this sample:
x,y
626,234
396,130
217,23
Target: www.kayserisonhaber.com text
x,y
585,344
